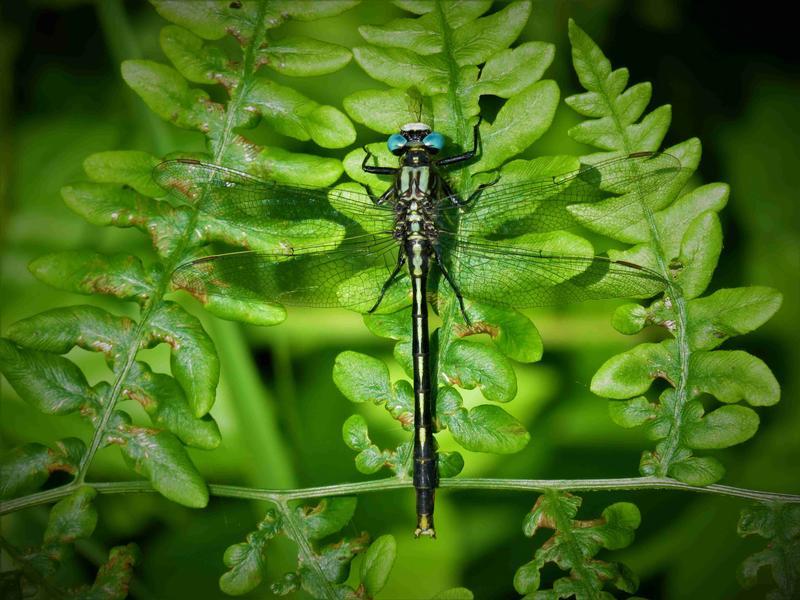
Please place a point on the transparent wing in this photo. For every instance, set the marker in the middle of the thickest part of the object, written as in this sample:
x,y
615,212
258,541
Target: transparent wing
x,y
549,203
503,274
235,196
349,274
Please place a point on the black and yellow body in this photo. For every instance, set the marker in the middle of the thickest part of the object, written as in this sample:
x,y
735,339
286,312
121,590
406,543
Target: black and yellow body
x,y
415,193
414,198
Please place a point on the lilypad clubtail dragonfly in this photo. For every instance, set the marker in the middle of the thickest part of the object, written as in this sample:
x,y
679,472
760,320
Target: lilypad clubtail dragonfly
x,y
502,245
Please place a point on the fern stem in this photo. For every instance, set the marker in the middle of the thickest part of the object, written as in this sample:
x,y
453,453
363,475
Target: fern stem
x,y
111,400
672,441
392,483
266,437
623,483
570,546
295,531
464,128
247,70
113,16
450,312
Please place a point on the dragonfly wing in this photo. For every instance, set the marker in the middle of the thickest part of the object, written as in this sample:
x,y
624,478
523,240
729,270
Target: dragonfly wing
x,y
349,274
514,274
625,185
235,196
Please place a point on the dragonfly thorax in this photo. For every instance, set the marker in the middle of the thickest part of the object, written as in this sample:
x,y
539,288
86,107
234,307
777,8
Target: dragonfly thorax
x,y
415,207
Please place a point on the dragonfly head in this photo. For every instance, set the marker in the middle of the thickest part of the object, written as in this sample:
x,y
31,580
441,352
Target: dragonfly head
x,y
414,136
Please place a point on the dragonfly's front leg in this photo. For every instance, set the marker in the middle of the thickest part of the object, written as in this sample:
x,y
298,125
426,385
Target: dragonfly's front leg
x,y
465,156
373,169
386,196
401,260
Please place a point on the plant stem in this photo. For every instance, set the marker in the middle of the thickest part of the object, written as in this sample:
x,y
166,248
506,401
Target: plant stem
x,y
345,489
672,441
294,529
264,437
255,410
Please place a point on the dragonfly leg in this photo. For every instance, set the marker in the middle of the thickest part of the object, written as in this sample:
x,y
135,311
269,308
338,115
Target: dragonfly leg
x,y
375,170
474,195
453,285
453,197
401,260
384,198
465,156
450,194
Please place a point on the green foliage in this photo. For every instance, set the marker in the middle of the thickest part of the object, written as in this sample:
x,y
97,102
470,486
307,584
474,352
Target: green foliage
x,y
321,571
447,57
678,234
26,468
780,524
53,384
124,194
71,519
378,561
573,547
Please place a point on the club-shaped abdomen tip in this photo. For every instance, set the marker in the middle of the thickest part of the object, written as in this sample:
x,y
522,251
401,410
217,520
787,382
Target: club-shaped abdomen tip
x,y
425,527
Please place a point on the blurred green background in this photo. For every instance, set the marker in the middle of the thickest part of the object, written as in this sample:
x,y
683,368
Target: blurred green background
x,y
732,79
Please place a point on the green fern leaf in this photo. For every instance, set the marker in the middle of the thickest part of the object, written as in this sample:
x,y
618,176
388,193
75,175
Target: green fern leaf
x,y
321,570
573,547
124,193
26,468
780,524
678,234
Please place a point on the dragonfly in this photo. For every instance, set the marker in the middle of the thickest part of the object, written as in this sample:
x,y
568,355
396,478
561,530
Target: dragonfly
x,y
417,242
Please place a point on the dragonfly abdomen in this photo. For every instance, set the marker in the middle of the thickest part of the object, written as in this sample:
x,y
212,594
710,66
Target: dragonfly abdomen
x,y
418,250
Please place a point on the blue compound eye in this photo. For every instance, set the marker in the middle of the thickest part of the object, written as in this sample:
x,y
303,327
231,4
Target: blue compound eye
x,y
434,142
396,143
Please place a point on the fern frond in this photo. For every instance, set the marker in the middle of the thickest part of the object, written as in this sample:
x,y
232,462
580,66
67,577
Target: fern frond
x,y
678,234
125,194
573,547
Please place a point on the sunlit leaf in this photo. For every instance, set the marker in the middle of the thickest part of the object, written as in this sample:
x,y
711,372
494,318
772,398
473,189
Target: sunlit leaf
x,y
678,233
86,272
50,383
470,365
193,358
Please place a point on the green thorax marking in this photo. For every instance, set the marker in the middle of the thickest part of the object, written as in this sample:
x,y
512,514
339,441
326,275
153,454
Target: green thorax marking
x,y
414,182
